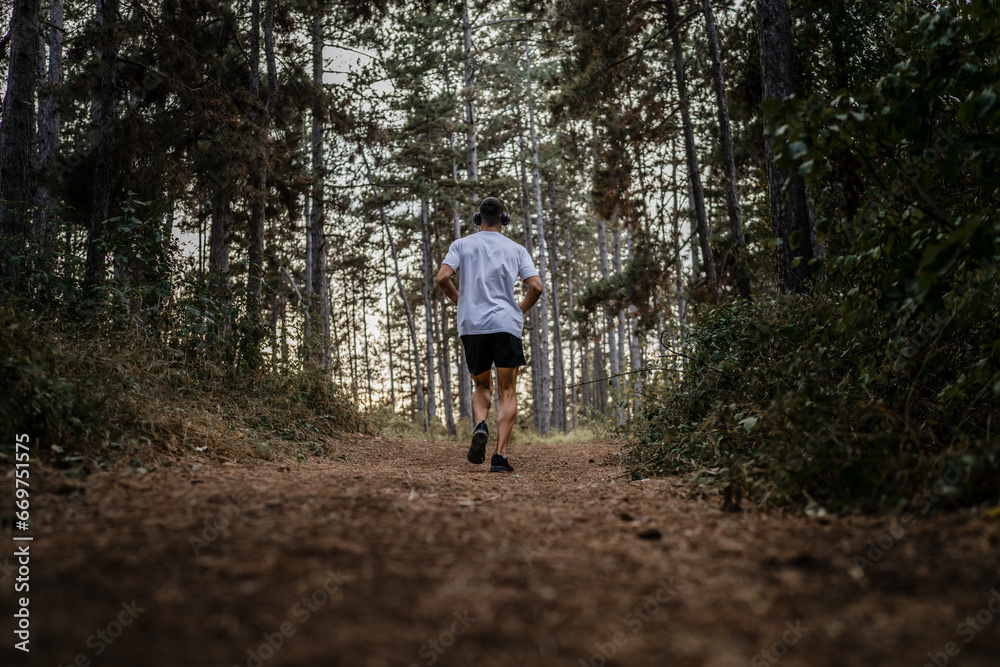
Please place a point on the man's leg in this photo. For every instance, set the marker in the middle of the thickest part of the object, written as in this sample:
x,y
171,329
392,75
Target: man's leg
x,y
507,388
482,396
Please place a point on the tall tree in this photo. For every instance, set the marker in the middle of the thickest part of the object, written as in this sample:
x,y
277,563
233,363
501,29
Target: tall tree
x,y
728,162
694,167
464,381
103,111
790,217
558,368
17,130
259,192
534,335
471,152
219,232
427,283
319,286
49,126
543,309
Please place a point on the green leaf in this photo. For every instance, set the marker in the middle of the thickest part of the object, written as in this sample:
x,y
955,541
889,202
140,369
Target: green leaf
x,y
985,102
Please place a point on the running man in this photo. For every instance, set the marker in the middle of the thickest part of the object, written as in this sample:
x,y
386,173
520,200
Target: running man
x,y
490,320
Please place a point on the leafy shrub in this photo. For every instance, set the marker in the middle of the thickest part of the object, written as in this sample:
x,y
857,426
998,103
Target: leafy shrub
x,y
866,392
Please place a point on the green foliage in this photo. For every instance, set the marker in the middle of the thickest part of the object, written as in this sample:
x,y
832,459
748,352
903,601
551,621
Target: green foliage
x,y
861,394
781,402
111,396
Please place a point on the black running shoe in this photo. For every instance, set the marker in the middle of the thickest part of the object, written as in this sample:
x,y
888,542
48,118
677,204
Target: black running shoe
x,y
477,450
500,464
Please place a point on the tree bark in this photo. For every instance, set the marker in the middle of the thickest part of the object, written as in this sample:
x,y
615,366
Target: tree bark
x,y
319,289
621,311
558,368
18,129
694,168
428,309
104,120
602,250
729,164
635,350
533,336
543,309
388,335
472,157
49,127
444,363
218,237
600,385
258,195
790,219
570,304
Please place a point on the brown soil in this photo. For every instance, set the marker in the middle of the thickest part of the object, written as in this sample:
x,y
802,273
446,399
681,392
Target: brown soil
x,y
567,562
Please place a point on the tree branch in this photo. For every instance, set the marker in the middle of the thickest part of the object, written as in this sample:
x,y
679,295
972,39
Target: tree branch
x,y
652,37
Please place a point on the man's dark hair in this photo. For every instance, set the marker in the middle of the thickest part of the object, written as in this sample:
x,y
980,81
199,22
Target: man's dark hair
x,y
491,209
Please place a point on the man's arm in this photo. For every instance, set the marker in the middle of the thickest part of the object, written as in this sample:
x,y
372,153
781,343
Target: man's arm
x,y
535,289
444,282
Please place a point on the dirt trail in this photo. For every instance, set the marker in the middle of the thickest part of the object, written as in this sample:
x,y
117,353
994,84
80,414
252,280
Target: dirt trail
x,y
431,560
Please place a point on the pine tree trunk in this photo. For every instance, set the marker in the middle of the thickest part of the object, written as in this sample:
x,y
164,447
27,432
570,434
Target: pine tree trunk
x,y
388,335
602,249
621,311
585,376
104,121
444,362
635,350
353,328
788,217
726,141
678,265
543,308
533,336
18,128
319,289
471,156
49,126
218,236
694,169
461,370
600,385
428,310
558,368
258,195
570,304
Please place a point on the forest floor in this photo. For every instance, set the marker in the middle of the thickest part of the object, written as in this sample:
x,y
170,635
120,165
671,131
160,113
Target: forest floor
x,y
399,552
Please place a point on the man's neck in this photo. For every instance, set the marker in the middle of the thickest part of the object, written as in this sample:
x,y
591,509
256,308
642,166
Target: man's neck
x,y
490,229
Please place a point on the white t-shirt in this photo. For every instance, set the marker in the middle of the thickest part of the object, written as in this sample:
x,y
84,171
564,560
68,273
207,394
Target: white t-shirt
x,y
488,264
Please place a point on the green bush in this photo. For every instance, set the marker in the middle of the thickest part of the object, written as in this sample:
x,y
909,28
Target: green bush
x,y
882,387
777,402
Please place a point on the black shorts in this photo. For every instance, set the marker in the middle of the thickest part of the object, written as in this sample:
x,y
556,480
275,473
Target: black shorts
x,y
484,350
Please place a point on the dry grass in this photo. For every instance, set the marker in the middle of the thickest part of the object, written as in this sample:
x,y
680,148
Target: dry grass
x,y
125,399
